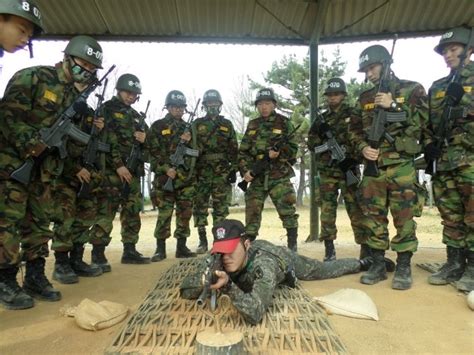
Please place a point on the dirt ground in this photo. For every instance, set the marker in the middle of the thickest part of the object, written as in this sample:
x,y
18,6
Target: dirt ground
x,y
424,319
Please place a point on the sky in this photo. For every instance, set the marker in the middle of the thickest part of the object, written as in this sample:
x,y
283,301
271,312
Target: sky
x,y
195,68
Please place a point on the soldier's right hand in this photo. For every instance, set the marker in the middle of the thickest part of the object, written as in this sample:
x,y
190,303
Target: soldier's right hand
x,y
124,174
248,176
370,153
84,176
171,173
222,280
186,136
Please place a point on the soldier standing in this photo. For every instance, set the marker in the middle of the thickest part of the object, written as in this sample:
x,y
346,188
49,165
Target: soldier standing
x,y
166,135
258,146
453,179
33,99
216,165
332,177
125,127
395,186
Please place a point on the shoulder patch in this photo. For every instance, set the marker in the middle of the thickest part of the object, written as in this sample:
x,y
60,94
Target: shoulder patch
x,y
118,115
51,96
258,273
224,128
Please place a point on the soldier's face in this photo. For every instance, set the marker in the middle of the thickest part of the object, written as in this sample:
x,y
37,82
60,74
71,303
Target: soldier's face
x,y
15,32
265,107
128,97
451,53
176,111
235,261
372,72
334,99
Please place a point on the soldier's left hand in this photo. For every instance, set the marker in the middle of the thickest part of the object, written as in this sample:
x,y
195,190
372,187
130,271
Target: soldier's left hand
x,y
140,136
222,280
84,176
383,100
99,123
273,154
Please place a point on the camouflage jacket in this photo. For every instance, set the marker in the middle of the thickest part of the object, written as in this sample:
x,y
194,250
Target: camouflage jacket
x,y
217,143
260,136
121,123
460,148
339,123
164,139
34,97
411,98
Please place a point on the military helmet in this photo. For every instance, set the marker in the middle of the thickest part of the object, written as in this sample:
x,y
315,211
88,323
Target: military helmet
x,y
211,95
129,82
373,54
86,48
455,35
26,9
335,85
175,98
265,94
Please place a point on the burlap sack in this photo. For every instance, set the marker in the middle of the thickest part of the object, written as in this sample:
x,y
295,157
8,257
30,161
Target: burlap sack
x,y
350,303
91,315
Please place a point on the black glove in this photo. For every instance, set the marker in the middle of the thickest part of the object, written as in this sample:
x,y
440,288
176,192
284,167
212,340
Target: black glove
x,y
347,164
432,152
232,177
323,128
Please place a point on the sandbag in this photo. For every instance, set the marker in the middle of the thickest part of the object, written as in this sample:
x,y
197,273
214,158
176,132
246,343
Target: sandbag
x,y
350,303
91,315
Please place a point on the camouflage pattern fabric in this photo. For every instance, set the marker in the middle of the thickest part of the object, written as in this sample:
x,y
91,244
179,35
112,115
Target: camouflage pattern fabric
x,y
395,188
268,266
164,138
259,137
217,143
332,179
453,182
33,99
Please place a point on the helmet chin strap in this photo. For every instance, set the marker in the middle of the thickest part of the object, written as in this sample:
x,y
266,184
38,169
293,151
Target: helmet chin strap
x,y
30,48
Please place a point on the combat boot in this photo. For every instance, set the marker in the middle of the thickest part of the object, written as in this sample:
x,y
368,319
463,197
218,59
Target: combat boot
x,y
182,250
63,273
98,258
292,238
132,256
466,283
36,283
402,279
330,251
366,252
452,270
202,247
80,267
12,296
377,271
160,252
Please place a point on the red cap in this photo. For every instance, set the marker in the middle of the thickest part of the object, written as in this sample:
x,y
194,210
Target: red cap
x,y
227,235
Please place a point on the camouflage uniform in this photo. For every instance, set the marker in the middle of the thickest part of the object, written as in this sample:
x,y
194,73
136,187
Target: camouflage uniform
x,y
333,179
268,266
259,137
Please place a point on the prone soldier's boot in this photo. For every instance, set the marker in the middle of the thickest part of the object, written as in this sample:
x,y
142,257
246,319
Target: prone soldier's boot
x,y
202,247
366,252
63,273
36,283
377,271
98,258
80,267
292,238
452,270
12,296
182,250
466,282
402,279
160,252
132,256
330,251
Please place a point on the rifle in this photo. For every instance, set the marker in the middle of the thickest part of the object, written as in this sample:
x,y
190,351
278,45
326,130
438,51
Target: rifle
x,y
338,153
90,161
177,158
136,154
56,135
262,165
214,263
377,130
454,94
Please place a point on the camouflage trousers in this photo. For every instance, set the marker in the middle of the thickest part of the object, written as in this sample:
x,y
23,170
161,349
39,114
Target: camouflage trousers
x,y
283,195
166,201
308,269
220,190
454,195
395,189
331,181
109,200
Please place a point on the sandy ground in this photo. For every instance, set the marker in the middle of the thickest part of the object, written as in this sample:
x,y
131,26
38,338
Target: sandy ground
x,y
424,319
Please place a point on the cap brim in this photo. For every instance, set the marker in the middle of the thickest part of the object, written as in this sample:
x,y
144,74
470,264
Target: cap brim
x,y
225,246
